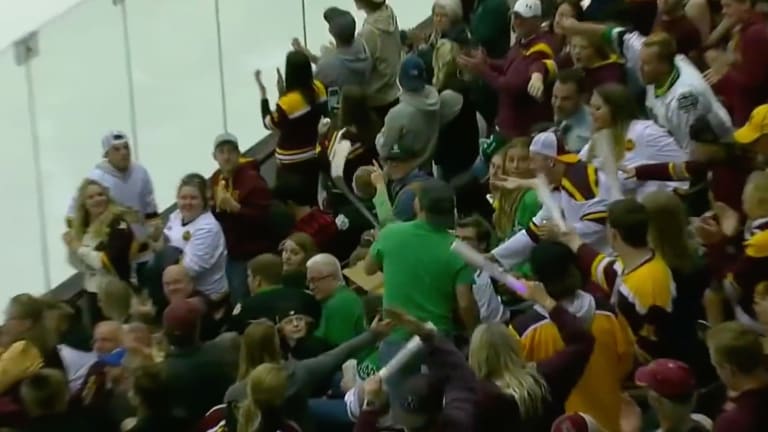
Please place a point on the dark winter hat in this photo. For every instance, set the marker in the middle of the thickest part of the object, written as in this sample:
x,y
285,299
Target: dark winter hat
x,y
341,24
413,74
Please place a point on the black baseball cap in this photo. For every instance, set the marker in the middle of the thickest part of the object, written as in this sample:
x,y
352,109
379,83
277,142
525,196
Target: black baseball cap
x,y
341,24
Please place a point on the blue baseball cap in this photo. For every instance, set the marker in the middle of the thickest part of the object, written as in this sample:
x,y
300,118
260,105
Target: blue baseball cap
x,y
115,358
413,74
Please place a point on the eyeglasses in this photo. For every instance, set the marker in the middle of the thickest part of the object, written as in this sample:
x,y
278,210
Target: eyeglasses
x,y
314,280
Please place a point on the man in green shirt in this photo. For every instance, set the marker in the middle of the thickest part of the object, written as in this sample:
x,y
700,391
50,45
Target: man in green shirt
x,y
343,315
422,276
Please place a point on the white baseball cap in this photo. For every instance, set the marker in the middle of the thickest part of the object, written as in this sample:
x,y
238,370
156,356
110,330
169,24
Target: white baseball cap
x,y
113,138
527,8
550,144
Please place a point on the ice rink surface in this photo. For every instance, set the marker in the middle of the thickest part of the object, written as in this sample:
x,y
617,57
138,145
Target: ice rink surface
x,y
78,88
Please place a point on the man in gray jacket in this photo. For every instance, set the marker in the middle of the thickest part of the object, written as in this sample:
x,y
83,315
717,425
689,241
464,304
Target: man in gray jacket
x,y
416,119
349,63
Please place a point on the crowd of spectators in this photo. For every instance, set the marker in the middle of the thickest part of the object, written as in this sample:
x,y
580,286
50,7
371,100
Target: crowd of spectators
x,y
608,157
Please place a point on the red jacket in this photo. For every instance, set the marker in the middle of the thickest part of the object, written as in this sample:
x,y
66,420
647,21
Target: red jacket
x,y
321,226
518,111
244,230
687,37
745,85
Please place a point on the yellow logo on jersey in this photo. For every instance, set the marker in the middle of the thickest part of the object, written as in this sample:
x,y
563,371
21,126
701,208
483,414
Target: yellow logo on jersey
x,y
629,145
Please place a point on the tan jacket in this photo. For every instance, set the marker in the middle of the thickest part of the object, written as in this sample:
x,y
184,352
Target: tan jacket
x,y
381,35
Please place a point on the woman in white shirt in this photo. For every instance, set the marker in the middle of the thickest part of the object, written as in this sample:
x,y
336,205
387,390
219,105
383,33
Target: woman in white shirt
x,y
193,230
634,141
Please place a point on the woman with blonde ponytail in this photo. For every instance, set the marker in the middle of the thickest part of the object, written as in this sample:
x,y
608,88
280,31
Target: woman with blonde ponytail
x,y
524,395
266,387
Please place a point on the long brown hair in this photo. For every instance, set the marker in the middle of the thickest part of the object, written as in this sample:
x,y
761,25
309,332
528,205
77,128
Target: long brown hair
x,y
260,344
305,242
508,201
624,111
98,227
356,116
668,229
33,309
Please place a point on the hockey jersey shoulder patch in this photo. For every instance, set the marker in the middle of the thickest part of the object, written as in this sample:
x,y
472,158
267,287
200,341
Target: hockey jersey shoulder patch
x,y
687,102
580,181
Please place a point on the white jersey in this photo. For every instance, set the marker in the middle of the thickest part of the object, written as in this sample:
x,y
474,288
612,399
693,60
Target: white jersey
x,y
204,251
685,97
646,143
583,198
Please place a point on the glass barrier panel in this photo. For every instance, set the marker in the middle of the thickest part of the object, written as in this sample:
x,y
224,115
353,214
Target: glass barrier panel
x,y
21,254
81,93
254,38
410,13
177,88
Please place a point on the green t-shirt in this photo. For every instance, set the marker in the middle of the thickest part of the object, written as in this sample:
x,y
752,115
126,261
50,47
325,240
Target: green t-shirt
x,y
420,272
528,208
368,366
343,317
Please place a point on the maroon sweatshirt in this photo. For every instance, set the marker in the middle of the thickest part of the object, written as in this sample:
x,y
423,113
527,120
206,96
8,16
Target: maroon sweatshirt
x,y
726,179
609,71
687,37
748,414
518,112
244,230
745,85
460,391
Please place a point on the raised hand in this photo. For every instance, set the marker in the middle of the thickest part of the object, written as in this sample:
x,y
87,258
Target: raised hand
x,y
512,183
729,219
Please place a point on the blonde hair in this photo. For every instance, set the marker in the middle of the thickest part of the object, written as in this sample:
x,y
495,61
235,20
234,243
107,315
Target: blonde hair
x,y
82,222
115,297
258,345
668,229
508,201
266,386
495,355
444,62
756,191
733,344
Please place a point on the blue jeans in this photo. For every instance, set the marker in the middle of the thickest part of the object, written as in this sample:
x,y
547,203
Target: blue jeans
x,y
237,279
395,382
330,415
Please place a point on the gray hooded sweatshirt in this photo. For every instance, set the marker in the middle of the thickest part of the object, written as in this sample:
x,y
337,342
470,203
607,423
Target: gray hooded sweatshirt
x,y
381,35
344,66
413,124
